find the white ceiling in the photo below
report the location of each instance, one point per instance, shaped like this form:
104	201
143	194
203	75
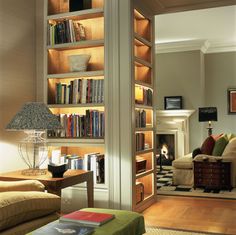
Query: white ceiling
217	25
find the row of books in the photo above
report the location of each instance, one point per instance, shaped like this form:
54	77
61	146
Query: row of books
90	162
146	97
65	31
91	125
140	118
80	91
140	141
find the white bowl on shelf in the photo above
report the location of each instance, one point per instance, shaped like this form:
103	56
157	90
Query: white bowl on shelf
79	63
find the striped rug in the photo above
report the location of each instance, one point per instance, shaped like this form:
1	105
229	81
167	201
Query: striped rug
162	231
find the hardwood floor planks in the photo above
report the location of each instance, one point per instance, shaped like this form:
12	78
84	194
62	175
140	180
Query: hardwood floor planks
195	214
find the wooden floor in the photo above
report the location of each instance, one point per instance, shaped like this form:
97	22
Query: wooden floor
195	214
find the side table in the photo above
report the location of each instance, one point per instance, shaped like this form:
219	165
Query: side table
212	175
55	185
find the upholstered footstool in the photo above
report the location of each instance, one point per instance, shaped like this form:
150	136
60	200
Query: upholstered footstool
183	170
124	223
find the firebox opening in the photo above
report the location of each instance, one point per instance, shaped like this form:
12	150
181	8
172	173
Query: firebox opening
165	145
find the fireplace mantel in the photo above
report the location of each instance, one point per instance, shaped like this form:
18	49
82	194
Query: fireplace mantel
177	123
175	113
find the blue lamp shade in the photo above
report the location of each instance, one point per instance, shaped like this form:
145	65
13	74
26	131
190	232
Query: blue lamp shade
206	114
34	116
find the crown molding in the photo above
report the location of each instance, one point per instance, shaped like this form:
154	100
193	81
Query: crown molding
204	46
217	47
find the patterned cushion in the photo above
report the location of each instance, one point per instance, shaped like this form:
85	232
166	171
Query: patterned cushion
230	149
220	145
19	207
208	145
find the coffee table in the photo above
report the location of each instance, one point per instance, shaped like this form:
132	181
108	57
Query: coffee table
55	185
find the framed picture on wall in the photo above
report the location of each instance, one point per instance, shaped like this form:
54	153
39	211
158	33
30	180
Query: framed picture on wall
173	102
232	100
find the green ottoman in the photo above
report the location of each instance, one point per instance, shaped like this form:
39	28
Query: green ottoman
124	223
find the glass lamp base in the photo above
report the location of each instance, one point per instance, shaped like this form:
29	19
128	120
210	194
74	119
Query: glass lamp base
34	171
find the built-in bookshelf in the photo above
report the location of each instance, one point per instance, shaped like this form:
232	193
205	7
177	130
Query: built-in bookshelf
143	128
74	91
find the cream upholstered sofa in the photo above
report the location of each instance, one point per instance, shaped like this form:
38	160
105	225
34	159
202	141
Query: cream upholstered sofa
24	206
183	166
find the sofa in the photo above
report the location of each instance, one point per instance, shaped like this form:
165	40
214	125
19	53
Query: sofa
222	147
24	206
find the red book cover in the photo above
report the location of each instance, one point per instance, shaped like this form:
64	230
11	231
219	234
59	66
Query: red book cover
87	218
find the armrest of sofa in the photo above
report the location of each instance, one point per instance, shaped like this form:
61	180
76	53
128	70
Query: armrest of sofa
21	185
201	157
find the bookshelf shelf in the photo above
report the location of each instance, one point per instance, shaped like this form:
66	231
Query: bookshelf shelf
144	151
143	40
76	141
77	45
78	15
140	106
64	106
144	129
140	62
148	172
84	74
143	84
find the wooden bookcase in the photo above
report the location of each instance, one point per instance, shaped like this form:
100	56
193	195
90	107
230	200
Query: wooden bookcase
58	71
143	102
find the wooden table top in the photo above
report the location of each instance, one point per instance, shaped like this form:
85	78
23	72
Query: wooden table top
47	177
70	177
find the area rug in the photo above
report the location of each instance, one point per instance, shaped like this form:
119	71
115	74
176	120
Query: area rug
161	231
165	187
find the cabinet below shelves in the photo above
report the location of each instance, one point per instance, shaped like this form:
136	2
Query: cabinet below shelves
77	45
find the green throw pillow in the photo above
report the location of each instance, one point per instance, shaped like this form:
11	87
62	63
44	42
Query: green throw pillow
220	145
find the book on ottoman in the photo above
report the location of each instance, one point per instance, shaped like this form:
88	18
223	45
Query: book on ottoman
87	218
57	228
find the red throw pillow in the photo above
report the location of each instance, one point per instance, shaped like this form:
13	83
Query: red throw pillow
208	145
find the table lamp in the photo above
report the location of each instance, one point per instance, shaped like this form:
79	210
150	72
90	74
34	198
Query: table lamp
34	119
207	114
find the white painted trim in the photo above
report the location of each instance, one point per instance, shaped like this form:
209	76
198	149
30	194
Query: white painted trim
176	113
221	47
204	46
190	45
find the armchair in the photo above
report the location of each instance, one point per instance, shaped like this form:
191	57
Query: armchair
24	206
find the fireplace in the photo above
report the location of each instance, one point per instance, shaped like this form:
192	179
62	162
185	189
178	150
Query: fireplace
165	147
172	136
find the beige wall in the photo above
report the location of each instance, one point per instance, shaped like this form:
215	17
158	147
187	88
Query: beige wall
17	72
202	80
180	74
221	75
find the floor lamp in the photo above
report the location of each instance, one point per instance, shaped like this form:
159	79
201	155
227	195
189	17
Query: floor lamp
34	119
207	114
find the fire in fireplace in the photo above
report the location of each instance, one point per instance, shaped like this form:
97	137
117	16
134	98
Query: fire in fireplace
165	145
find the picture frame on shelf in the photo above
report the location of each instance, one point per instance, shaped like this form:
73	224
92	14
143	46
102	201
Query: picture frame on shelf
173	102
231	100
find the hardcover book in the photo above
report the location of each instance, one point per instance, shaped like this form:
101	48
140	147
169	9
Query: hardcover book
87	218
57	228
